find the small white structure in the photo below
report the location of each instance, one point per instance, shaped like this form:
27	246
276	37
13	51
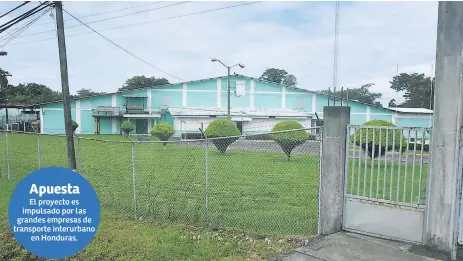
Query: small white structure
248	121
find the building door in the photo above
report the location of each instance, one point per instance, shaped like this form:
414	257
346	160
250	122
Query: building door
141	126
239	125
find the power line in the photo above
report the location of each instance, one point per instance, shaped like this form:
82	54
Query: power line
146	22
24	28
106	12
110	18
122	48
12	32
27	14
17	7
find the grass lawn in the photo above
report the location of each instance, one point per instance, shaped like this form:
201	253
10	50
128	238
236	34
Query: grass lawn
250	193
255	192
123	239
388	180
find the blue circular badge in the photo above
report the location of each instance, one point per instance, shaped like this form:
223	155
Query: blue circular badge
54	212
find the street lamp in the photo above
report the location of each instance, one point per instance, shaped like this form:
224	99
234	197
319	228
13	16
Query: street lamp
228	87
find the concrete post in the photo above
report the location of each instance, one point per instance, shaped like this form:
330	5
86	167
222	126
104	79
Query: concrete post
331	192
445	167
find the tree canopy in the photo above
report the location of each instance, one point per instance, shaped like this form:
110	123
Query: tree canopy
418	90
361	94
86	92
278	76
143	82
26	93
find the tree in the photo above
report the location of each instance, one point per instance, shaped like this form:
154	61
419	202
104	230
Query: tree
361	94
418	90
392	103
127	127
370	139
289	140
32	93
278	76
142	82
26	93
86	92
163	131
223	133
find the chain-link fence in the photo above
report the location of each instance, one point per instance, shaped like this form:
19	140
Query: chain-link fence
265	184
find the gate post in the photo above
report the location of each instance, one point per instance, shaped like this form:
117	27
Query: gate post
331	191
443	189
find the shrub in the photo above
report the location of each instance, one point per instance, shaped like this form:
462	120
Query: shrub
289	140
163	131
220	129
411	147
74	126
127	127
380	137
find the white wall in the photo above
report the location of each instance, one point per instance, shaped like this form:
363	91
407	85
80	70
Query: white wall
256	125
191	124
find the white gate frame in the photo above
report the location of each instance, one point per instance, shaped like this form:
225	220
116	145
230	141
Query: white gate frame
370	215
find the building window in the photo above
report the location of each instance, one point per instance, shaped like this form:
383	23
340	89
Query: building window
240	88
299	104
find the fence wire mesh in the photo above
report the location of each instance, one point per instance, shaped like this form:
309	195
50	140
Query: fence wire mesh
249	183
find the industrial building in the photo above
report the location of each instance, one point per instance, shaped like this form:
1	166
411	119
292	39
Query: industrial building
256	106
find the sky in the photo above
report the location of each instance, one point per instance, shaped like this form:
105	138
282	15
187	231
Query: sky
374	39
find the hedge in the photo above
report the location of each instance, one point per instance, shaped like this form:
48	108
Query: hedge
127	127
383	137
163	131
222	128
289	140
74	126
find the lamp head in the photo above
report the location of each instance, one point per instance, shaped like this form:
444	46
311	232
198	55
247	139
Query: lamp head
241	65
214	60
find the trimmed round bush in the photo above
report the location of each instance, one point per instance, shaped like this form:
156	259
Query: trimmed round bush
74	126
127	127
163	131
291	139
222	129
378	142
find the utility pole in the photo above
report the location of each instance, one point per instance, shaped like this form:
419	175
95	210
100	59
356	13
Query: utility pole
65	84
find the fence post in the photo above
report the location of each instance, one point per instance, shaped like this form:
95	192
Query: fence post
207	178
7	155
79	156
331	191
133	181
38	150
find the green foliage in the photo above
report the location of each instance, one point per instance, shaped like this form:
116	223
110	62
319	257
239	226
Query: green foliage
127	127
416	88
222	128
289	140
411	147
74	126
86	93
163	131
380	138
142	81
361	94
279	76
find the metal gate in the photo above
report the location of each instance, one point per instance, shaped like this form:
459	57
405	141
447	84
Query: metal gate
385	181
